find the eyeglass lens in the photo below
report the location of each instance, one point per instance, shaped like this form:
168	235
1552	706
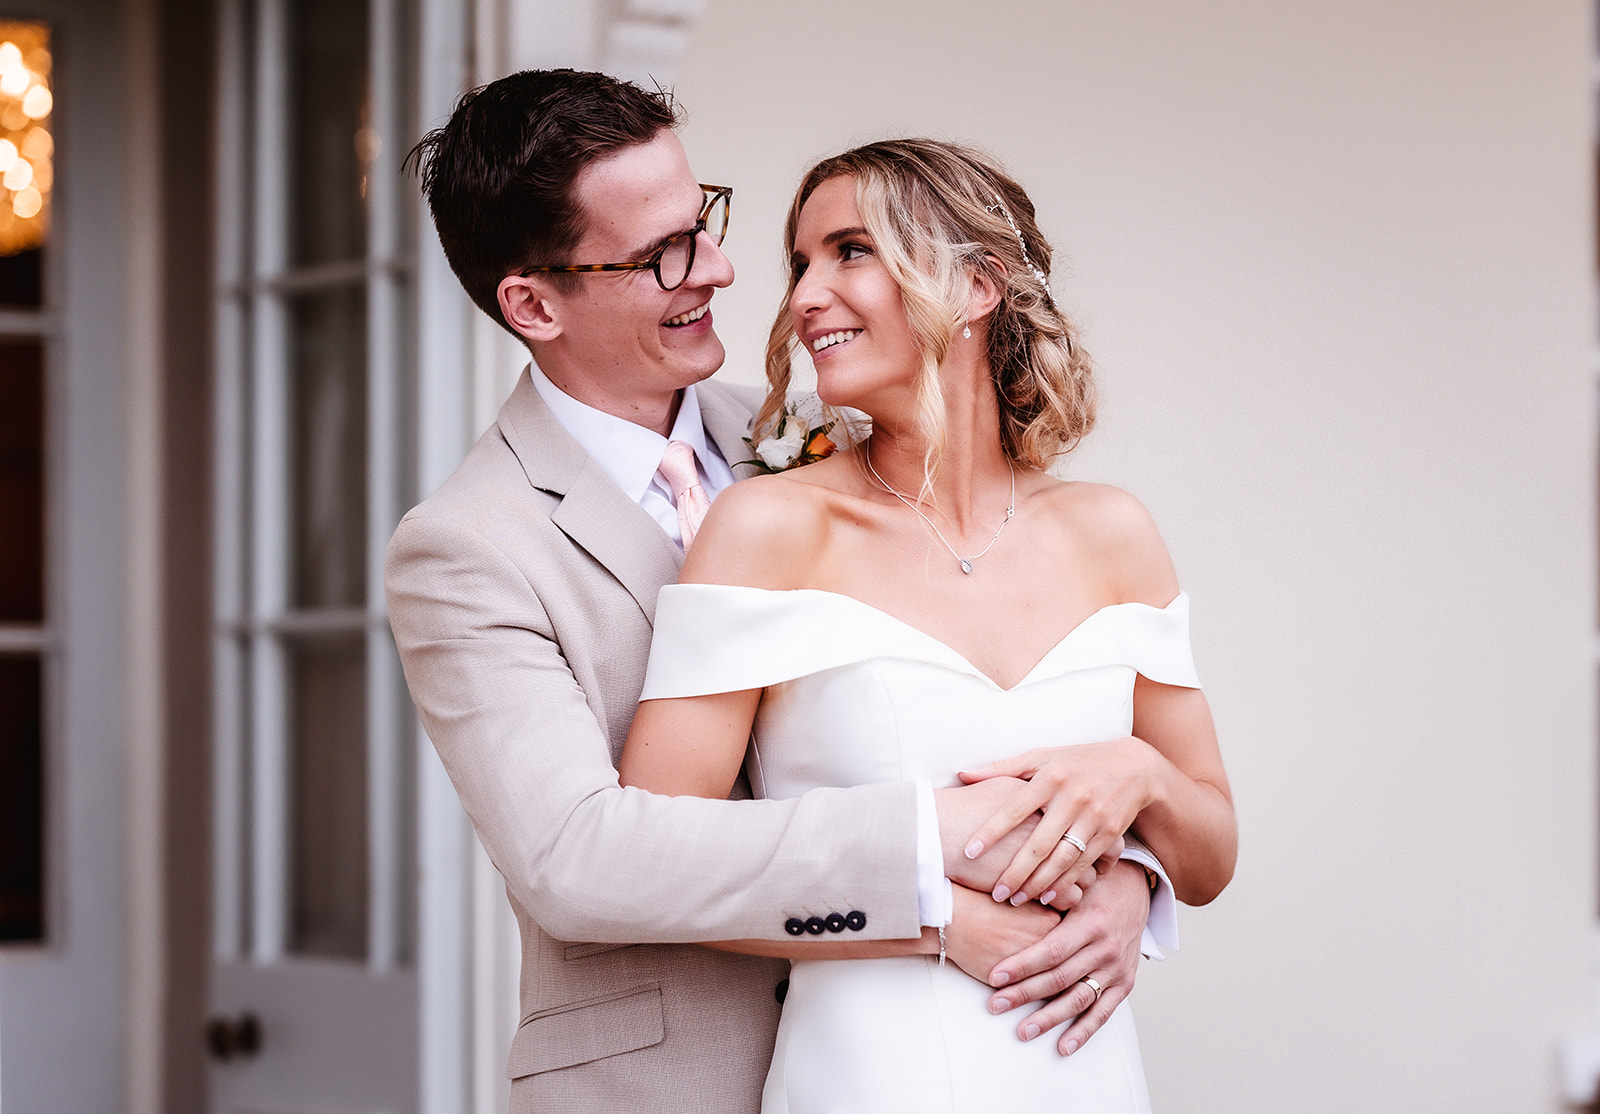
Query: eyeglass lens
678	258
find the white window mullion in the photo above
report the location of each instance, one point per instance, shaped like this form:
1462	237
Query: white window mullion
385	687
229	586
269	500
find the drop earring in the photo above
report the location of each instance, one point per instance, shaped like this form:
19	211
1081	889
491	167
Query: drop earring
966	331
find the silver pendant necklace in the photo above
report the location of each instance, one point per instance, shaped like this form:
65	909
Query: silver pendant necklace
964	562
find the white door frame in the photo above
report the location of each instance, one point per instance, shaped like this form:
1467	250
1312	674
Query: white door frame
73	991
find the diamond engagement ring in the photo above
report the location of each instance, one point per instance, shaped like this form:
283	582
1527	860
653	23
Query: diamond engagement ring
1089	981
1076	842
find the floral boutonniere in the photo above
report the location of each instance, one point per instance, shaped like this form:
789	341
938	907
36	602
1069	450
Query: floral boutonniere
800	436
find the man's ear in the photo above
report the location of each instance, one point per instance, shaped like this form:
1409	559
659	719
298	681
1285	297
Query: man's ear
530	307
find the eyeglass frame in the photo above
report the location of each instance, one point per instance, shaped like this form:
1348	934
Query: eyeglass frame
716	193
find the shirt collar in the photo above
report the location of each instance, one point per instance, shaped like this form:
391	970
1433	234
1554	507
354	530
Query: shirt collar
627	452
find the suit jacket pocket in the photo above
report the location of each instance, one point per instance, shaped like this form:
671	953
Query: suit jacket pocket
583	951
584	1031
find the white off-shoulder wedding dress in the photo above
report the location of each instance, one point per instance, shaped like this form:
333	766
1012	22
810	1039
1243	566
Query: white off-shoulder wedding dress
853	696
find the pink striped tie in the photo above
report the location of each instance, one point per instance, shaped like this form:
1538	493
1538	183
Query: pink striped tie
678	469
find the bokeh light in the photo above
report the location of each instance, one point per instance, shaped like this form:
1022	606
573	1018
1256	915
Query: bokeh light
26	146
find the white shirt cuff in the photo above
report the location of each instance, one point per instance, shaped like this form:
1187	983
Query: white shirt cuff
935	901
1161	929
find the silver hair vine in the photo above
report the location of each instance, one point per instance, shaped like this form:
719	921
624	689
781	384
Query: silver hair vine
1000	206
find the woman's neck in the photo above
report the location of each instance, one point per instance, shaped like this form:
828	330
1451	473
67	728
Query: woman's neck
972	478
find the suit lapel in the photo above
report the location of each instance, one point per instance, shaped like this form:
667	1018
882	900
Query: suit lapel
727	420
593	511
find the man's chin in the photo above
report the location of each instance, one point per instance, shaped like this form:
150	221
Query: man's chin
706	360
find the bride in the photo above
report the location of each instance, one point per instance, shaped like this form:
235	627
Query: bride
924	603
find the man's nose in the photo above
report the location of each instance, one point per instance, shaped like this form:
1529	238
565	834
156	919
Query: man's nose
712	267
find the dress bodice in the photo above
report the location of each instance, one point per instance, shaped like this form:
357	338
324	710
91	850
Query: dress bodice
852	696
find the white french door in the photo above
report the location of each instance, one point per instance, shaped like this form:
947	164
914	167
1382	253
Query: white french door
314	990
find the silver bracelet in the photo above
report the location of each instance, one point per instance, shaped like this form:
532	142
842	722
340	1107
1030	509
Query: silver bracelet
941	945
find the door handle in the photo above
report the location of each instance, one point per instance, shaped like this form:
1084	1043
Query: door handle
236	1038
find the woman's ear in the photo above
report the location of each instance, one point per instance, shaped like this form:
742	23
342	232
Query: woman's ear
530	307
984	295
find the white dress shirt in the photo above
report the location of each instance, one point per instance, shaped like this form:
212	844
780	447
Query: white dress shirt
630	453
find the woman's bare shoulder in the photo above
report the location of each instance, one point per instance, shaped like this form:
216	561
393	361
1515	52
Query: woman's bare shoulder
1119	534
762	533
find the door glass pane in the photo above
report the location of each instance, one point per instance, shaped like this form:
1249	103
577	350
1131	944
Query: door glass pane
21	801
329	516
331	143
26	160
21	482
329	755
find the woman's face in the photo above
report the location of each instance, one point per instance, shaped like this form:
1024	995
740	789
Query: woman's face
846	308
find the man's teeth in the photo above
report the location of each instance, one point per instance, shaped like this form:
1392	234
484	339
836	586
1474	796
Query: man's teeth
690	317
831	339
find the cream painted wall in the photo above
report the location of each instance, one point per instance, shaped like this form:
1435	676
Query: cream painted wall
1336	264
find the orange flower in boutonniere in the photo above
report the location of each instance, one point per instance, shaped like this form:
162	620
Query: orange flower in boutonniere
818	446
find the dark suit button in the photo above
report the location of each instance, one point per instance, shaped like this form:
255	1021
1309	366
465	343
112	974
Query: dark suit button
856	920
781	991
794	926
815	926
835	922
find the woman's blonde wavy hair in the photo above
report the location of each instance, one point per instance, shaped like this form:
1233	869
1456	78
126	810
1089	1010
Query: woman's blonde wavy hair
937	212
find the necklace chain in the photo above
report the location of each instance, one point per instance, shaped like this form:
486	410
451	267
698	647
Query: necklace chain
965	563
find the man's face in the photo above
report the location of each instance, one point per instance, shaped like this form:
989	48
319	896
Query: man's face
626	345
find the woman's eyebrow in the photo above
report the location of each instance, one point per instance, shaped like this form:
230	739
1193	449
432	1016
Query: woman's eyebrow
845	234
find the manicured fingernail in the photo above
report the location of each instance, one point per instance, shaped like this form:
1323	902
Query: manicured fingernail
1002	892
1047	898
1029	1031
999	978
1072	1046
1019	897
974	849
999	1005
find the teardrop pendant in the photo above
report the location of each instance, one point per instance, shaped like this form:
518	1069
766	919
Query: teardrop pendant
966	566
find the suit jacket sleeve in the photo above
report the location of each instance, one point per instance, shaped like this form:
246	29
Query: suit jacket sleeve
589	859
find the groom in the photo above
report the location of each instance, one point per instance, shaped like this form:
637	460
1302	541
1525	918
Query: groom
522	594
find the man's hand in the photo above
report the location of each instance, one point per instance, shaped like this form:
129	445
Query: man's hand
1099	939
984	932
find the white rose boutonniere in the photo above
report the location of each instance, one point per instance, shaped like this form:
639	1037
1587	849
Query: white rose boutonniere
784	447
801	436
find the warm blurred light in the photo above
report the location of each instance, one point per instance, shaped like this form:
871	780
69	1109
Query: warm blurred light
37	144
369	145
26	146
37	102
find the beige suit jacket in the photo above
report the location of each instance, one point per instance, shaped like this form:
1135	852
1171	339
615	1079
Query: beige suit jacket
522	594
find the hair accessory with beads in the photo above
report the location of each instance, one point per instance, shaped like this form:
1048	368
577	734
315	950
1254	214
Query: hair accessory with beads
1023	244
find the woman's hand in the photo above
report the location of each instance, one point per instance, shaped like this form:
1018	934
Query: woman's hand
1091	792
